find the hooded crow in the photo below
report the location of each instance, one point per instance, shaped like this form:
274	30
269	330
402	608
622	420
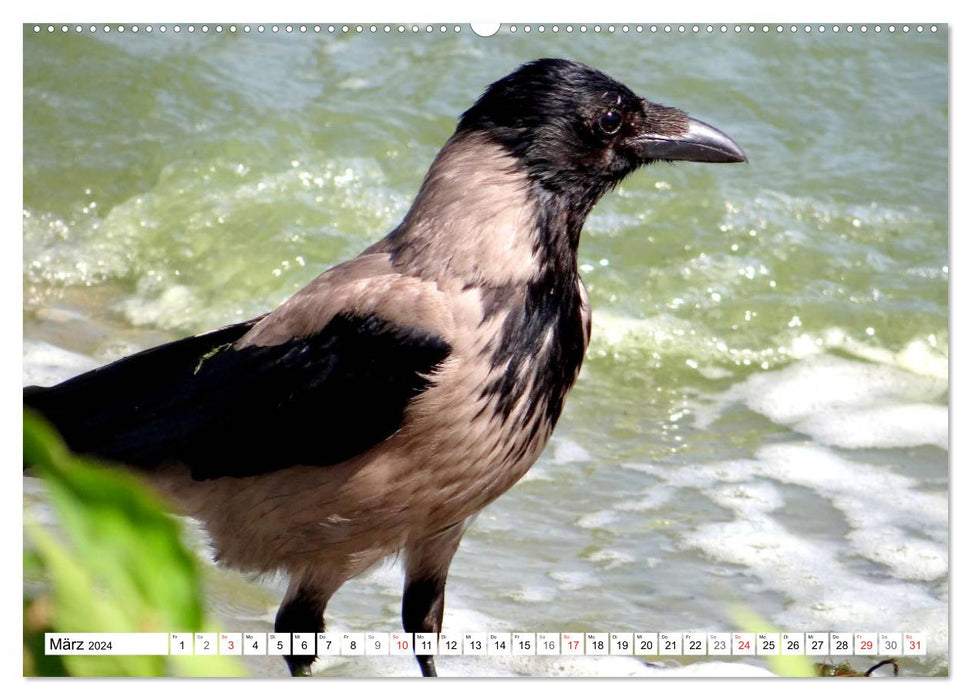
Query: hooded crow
399	393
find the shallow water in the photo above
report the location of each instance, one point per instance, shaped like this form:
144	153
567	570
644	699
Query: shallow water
762	417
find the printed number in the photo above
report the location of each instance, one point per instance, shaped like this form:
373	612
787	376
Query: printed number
817	644
694	645
303	645
181	645
668	645
452	645
914	645
719	645
205	645
525	645
476	645
550	645
573	644
426	645
768	644
647	645
403	644
353	645
892	645
867	645
792	645
623	645
842	645
744	645
598	644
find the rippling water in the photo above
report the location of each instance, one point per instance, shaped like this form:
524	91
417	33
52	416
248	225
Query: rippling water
762	418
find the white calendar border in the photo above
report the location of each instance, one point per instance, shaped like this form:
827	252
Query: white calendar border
700	10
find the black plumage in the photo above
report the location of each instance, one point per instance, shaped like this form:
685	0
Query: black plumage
400	392
185	401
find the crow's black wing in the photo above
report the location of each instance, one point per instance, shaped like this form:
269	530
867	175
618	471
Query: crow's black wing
223	411
95	411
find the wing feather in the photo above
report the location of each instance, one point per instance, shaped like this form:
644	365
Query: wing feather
225	406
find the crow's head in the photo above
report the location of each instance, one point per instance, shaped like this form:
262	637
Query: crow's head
579	132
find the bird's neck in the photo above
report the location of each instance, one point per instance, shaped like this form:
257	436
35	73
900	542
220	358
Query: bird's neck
481	220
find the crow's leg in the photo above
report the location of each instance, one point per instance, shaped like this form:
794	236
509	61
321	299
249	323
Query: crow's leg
426	567
302	610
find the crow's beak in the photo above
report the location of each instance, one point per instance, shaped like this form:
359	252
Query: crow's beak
701	143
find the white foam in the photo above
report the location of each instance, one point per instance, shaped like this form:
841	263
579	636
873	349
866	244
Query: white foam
561	451
567	451
896	425
712	356
621	667
574	580
666	333
589	666
169	309
610	558
892	522
749	499
878	504
533	594
651	499
925	356
387	576
600	519
714	669
46	364
846	403
825	382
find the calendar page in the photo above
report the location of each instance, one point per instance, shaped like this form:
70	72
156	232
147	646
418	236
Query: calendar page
370	349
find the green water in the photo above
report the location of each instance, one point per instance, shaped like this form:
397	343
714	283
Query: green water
173	183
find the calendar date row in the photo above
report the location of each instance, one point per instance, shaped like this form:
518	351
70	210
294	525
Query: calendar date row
493	644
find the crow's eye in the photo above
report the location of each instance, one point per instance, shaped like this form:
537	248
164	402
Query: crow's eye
610	121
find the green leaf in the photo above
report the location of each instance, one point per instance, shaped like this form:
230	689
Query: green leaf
782	665
121	567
